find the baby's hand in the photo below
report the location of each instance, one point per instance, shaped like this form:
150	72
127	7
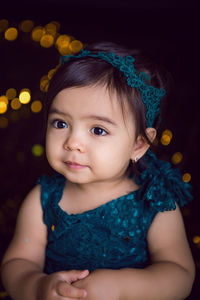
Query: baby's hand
59	285
100	284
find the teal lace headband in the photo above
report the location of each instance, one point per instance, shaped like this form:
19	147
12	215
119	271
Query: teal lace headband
151	96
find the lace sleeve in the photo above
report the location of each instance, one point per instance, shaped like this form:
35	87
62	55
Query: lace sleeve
45	182
164	185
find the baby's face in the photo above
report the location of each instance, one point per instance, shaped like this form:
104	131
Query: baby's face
87	138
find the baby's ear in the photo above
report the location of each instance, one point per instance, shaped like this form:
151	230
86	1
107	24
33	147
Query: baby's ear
151	133
141	145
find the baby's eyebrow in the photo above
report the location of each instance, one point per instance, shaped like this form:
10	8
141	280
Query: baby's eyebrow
101	118
56	111
93	117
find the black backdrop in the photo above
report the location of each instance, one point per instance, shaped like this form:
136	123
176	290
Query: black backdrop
168	30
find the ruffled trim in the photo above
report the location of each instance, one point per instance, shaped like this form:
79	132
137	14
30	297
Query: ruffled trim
50	184
163	185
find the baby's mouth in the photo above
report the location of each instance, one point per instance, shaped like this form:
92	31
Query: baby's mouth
74	165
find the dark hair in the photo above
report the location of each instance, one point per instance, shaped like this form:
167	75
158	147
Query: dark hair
89	71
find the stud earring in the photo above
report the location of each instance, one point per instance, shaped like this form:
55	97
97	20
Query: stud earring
136	159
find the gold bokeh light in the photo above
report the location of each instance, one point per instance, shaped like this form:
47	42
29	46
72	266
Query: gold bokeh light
37	33
47	40
186	177
11	34
15	104
57	24
165	140
3	107
63	39
44	83
26	25
75	46
4	99
36	106
166	137
51	73
3	25
25	96
168	132
64	50
196	239
177	158
11	93
51	29
62	44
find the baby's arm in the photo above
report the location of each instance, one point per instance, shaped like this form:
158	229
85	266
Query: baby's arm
170	275
22	265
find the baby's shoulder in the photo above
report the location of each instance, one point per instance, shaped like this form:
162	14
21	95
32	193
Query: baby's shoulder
31	206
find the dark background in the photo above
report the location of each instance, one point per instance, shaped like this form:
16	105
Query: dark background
167	30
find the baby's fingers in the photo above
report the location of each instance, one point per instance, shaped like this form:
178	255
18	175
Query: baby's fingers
75	275
67	290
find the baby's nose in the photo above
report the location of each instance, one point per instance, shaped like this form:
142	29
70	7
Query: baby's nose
74	142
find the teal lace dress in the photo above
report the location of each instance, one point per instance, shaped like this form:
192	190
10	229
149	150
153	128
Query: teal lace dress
114	234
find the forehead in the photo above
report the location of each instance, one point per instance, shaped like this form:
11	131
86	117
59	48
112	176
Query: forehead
96	98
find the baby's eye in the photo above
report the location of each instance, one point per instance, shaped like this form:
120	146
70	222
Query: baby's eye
59	124
99	131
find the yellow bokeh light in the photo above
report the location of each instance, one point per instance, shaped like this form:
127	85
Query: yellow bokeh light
36	106
63	39
51	28
26	25
4	99
51	73
62	43
57	24
166	137
11	34
37	150
44	83
187	177
3	25
37	33
196	239
15	104
3	107
47	40
177	158
3	122
64	50
25	96
168	132
75	46
11	93
165	140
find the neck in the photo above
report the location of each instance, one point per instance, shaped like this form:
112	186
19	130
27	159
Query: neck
102	190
